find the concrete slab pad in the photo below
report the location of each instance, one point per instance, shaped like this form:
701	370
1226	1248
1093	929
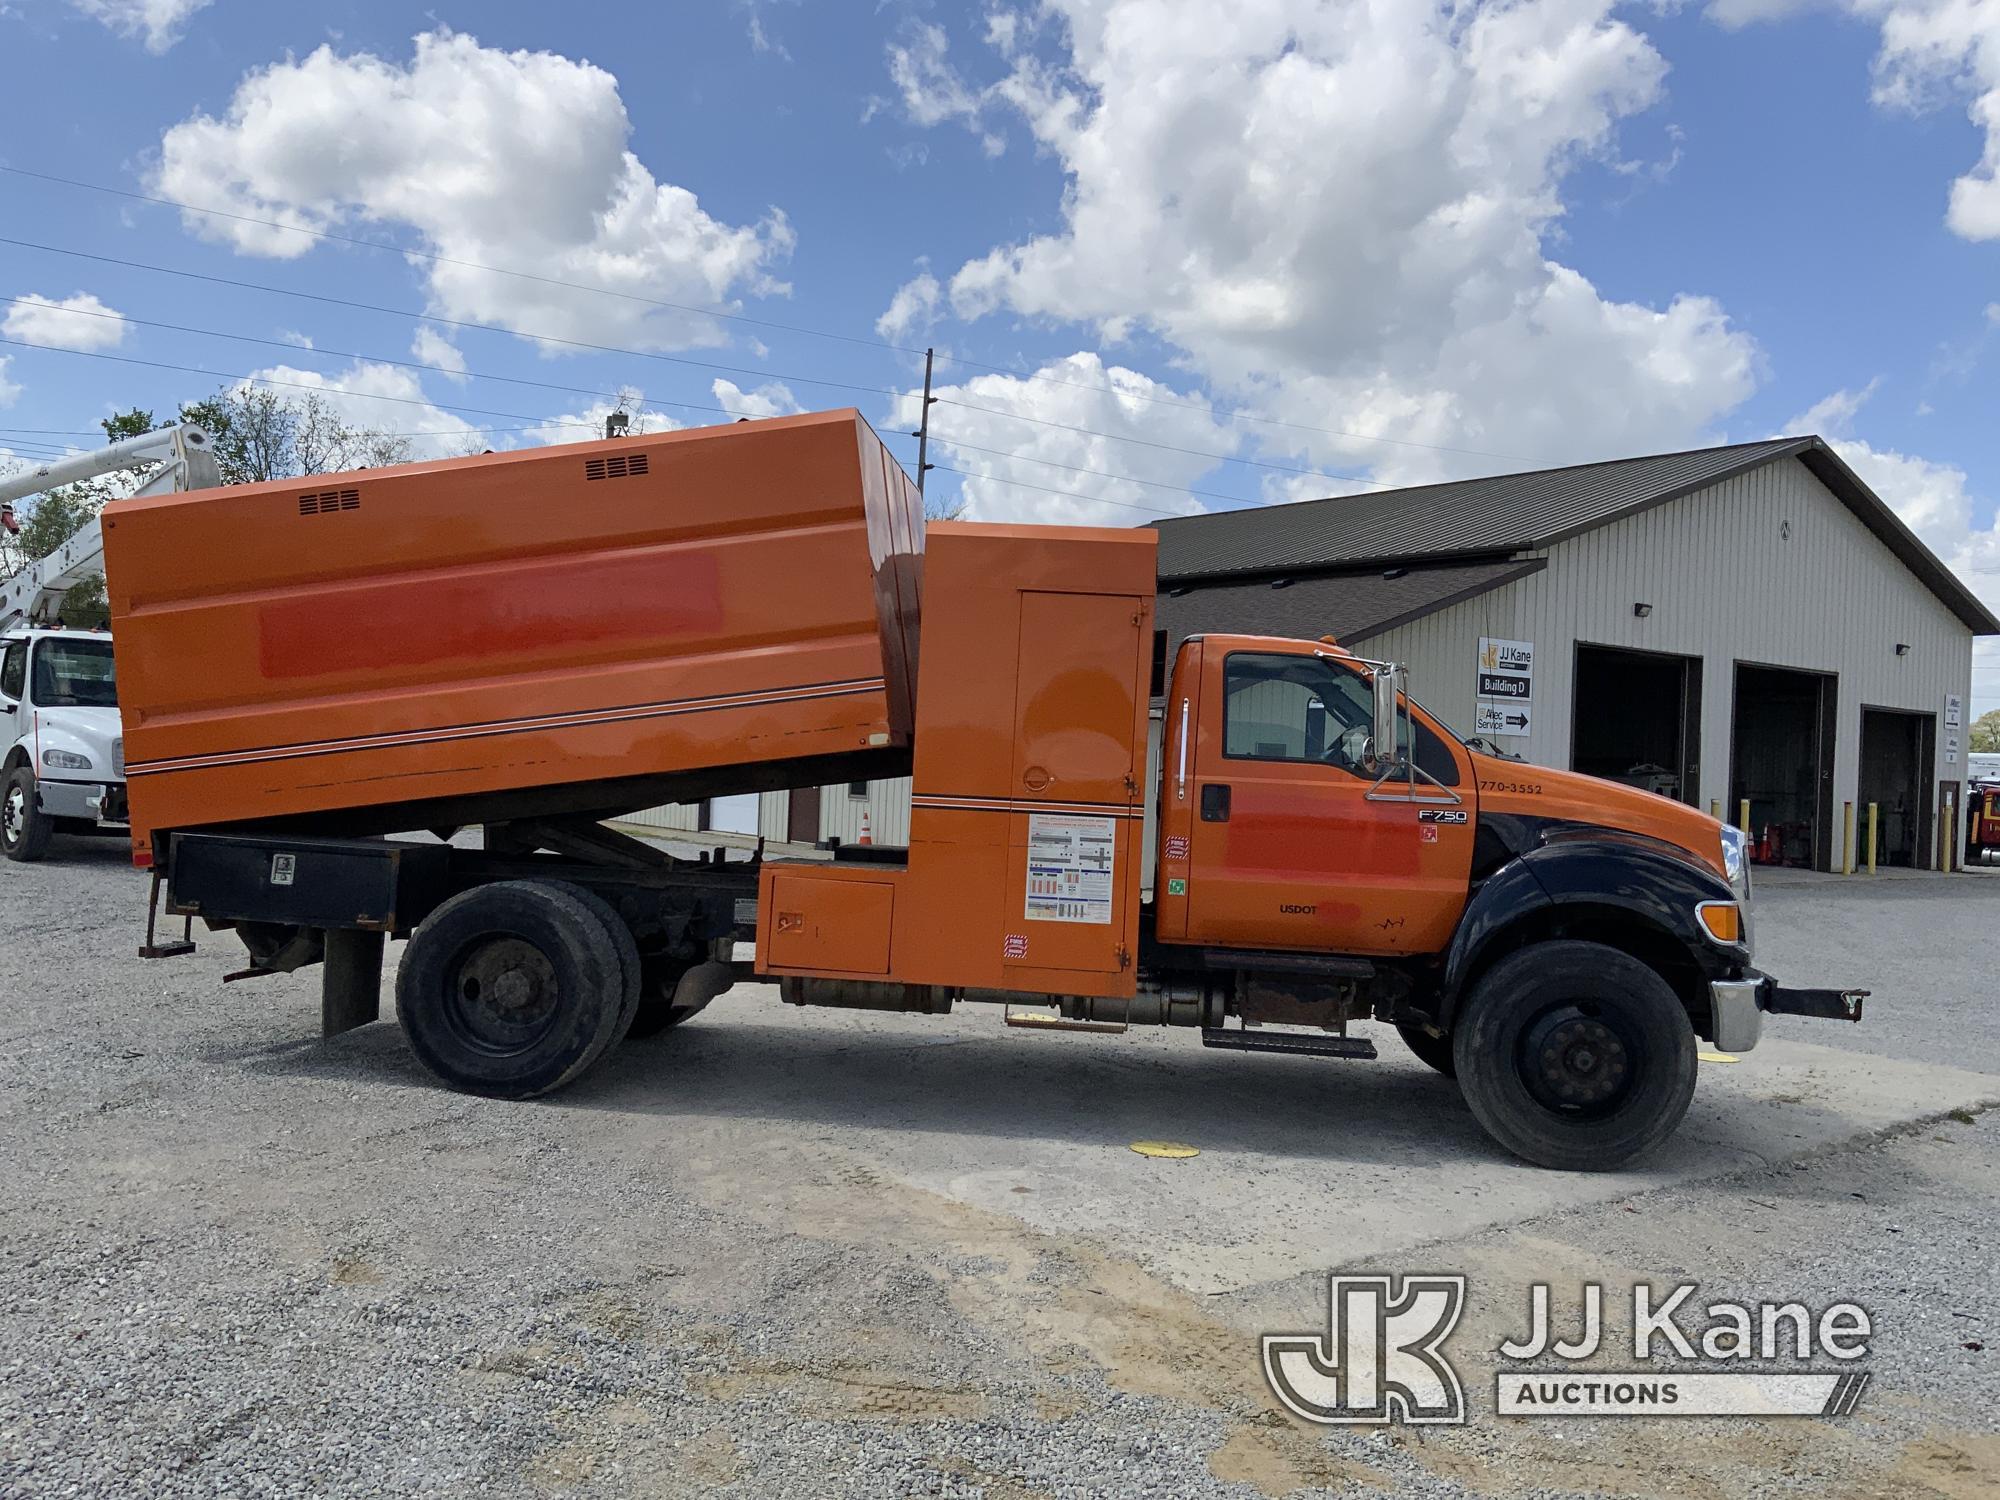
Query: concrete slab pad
1305	1164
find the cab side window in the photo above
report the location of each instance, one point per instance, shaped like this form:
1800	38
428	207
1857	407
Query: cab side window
1304	708
14	671
1293	708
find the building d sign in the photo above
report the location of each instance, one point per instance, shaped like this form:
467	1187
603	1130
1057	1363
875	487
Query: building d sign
1506	687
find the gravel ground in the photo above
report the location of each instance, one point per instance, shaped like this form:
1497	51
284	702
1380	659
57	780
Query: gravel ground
235	1260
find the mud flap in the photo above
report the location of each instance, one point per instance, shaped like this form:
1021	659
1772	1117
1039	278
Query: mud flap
350	981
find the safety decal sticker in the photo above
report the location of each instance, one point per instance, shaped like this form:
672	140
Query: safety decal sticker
1177	846
1014	945
1070	867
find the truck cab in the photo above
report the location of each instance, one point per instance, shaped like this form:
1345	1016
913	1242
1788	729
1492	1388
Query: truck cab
62	757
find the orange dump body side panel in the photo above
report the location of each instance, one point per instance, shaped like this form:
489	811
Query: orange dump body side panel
1027	806
579	617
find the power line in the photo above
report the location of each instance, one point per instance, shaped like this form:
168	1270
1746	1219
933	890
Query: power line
609	349
411	364
424	317
447	260
406	364
1158	484
1118	437
1233	415
154	364
877	343
1022	484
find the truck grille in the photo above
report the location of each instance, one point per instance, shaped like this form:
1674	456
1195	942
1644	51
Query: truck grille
118	756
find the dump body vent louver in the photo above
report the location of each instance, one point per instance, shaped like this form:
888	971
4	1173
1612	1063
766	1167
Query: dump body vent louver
619	466
326	502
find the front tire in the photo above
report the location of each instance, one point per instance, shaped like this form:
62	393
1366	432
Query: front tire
1575	1056
25	830
511	989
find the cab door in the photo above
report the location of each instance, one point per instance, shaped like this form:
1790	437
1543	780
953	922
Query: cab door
1293	841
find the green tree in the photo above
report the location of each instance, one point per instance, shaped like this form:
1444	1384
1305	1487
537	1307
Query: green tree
261	434
1984	736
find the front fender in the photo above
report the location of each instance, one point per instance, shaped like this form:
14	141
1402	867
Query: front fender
1595	881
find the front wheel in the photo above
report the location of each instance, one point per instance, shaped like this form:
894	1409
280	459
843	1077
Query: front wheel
25	830
1575	1056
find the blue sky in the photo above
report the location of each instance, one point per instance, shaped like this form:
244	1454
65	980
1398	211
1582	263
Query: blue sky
1338	246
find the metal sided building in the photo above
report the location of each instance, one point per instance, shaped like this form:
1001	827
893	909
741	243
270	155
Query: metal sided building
1745	624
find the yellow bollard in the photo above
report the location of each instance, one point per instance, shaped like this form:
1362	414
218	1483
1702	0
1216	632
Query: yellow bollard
1847	838
1743	822
1949	848
1715	808
1874	808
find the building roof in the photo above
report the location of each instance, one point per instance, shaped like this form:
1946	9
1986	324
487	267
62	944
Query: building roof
1351	605
1506	514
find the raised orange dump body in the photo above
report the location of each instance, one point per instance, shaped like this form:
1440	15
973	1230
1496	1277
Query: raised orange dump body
588	628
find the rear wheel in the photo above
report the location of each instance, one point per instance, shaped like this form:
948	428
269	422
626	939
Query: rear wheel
1575	1056
511	989
1435	1050
25	830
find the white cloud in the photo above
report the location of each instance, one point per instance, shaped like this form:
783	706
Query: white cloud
1932	52
1936	501
1830	416
587	426
932	90
79	322
773	399
381	398
159	22
914	306
10	390
293	336
1341	215
1012	469
504	159
440	353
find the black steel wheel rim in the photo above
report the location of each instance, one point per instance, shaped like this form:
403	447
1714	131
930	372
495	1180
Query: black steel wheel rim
501	995
1579	1061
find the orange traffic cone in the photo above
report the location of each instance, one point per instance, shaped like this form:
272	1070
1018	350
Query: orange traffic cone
865	836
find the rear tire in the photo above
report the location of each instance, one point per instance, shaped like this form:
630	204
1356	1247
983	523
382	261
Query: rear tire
25	830
1575	1056
1434	1050
511	989
624	945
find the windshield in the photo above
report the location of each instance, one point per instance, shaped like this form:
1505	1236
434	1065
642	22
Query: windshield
74	674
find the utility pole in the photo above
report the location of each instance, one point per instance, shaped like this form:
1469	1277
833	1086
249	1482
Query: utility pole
923	432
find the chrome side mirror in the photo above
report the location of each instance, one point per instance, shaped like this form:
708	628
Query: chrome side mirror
1388	682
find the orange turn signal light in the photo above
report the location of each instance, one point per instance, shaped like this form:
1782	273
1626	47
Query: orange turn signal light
1723	919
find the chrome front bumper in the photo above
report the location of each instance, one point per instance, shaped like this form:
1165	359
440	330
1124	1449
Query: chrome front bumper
1737	1008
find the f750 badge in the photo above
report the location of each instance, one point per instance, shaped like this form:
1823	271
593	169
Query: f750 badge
1441	815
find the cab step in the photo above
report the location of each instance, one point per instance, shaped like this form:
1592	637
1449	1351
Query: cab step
1304	1043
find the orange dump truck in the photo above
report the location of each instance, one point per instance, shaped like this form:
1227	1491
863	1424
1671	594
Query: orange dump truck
530	643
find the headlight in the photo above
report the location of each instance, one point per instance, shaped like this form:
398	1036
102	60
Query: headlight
1736	860
63	760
